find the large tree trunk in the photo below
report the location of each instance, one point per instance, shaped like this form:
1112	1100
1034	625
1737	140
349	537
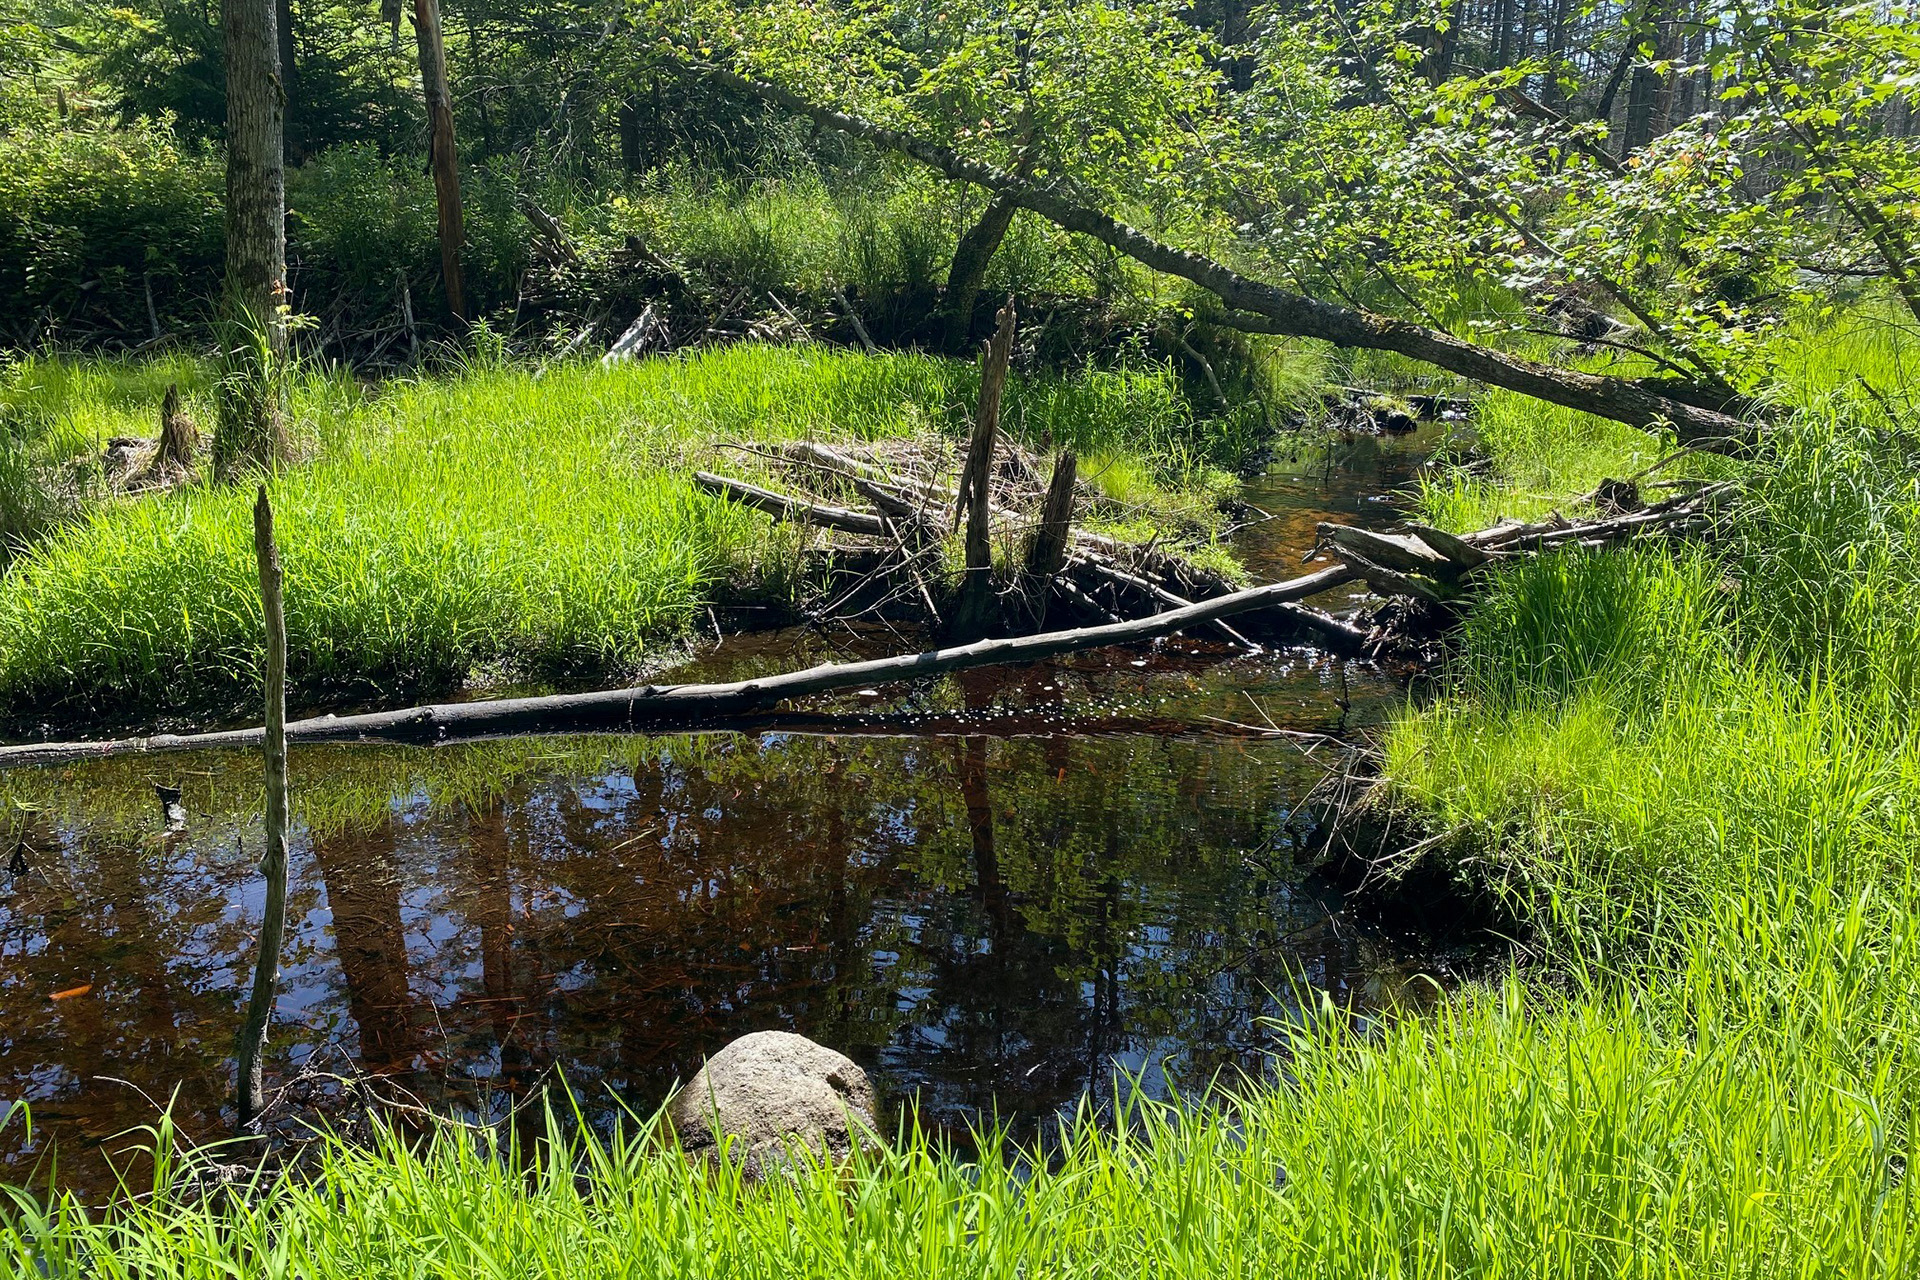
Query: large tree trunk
444	154
251	426
1695	414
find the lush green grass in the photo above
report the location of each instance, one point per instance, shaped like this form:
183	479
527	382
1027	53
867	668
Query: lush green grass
1692	775
1495	1138
483	520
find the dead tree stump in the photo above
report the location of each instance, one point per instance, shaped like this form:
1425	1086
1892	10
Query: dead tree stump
976	482
1047	553
178	436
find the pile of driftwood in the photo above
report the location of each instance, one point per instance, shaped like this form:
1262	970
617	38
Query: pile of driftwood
892	512
1435	567
1423	563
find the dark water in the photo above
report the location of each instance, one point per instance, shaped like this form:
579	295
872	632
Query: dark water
996	892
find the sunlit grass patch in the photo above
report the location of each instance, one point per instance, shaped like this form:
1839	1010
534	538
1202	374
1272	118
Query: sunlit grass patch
482	519
1504	1135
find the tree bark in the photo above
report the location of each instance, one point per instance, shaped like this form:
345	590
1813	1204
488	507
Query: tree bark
289	77
249	1096
1258	307
251	426
968	272
443	151
1047	553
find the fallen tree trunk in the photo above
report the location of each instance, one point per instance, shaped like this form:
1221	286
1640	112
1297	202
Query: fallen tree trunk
1430	565
1255	306
812	724
659	707
786	508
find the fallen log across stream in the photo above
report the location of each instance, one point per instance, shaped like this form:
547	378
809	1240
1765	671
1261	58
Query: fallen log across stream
667	707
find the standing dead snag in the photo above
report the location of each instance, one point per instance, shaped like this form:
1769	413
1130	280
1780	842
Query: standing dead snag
976	481
441	150
249	1095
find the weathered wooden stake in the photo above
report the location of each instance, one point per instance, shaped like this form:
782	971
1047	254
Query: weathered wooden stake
406	315
976	481
249	1094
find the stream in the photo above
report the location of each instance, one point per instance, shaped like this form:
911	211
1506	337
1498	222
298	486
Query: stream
1001	893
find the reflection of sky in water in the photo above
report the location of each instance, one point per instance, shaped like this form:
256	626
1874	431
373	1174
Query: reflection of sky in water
994	924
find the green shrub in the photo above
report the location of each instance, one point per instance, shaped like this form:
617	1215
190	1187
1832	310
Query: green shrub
90	217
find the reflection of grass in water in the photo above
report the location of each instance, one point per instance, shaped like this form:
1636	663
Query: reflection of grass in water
335	788
483	520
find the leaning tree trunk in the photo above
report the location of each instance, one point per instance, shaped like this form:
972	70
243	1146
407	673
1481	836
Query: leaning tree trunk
445	155
1696	414
251	427
971	258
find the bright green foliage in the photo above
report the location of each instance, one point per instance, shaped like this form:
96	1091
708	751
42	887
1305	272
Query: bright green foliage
1692	774
1114	98
94	218
56	415
1698	242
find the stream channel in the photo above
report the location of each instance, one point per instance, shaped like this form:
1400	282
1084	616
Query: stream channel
1009	891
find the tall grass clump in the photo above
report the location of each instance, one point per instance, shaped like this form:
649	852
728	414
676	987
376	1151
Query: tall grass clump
1494	1138
476	521
1691	774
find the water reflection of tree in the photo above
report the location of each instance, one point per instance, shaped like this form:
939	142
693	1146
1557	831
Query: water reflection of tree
362	879
983	919
152	928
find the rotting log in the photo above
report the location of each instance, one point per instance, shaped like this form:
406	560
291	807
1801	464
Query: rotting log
1431	565
662	707
1401	552
1116	576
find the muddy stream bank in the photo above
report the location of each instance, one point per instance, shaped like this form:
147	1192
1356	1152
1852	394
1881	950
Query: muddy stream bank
1007	889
